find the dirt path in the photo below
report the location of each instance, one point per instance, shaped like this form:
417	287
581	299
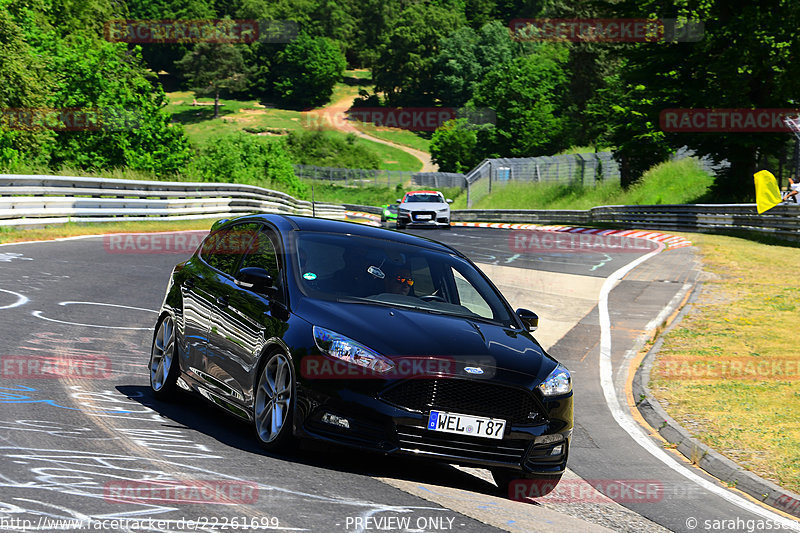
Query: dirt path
335	116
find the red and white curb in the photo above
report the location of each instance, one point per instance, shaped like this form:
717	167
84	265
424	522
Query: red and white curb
669	241
371	219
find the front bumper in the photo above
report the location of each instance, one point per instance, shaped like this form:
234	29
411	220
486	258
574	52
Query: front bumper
378	426
435	220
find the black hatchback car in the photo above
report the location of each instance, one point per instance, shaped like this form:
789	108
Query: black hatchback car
364	337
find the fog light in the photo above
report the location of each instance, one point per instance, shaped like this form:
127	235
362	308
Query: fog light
336	420
557	450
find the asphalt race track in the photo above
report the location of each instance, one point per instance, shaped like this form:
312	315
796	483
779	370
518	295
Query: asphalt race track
79	445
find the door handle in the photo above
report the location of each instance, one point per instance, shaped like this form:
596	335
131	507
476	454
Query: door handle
221	300
188	284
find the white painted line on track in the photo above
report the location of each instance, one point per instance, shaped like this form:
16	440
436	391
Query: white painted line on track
110	305
21	300
626	421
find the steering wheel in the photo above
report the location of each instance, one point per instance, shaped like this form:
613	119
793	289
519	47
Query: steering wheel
432	298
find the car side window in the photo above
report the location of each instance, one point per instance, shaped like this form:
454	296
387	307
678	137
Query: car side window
223	249
263	254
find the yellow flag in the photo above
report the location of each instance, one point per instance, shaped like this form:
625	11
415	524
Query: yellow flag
767	193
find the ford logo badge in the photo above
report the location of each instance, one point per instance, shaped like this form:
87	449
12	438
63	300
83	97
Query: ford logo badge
473	369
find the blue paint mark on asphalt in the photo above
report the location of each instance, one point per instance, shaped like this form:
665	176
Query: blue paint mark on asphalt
10	398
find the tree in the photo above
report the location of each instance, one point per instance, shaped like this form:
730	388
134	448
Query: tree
163	56
405	67
24	84
745	59
526	94
465	57
134	130
212	67
307	71
454	146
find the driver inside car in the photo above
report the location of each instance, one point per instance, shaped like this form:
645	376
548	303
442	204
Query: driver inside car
399	281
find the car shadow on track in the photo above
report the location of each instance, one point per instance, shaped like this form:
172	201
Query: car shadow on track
190	411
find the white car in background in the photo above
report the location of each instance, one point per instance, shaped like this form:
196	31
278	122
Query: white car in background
424	209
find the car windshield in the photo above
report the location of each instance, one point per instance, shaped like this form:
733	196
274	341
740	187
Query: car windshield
376	271
426	198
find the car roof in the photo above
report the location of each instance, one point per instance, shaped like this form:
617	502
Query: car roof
324	225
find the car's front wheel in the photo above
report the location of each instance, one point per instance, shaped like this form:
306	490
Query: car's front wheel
163	366
274	402
517	485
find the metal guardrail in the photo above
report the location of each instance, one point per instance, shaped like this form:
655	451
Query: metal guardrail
781	221
27	200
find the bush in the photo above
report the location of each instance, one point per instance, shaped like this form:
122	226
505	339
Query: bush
453	146
243	158
326	150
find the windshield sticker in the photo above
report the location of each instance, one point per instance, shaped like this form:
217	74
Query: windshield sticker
377	272
310	276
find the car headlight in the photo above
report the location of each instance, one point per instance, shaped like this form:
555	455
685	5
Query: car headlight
443	210
346	349
405	211
557	383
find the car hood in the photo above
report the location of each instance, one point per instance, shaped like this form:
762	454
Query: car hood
424	206
394	331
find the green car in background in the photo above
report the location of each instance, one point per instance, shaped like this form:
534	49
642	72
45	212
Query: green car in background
389	213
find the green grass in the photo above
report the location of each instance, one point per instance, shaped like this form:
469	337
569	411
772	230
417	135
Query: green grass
397	136
252	117
672	182
71	229
745	315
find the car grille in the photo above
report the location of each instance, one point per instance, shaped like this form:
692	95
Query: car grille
431	216
465	397
421	441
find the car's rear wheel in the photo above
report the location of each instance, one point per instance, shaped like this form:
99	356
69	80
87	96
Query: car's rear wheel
163	366
274	402
518	485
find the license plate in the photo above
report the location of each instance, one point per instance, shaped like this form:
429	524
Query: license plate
423	217
477	426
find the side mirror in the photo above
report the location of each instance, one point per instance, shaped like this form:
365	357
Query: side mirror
449	201
256	279
529	318
399	201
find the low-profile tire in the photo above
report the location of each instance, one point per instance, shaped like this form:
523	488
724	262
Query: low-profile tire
401	226
517	485
273	402
163	364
